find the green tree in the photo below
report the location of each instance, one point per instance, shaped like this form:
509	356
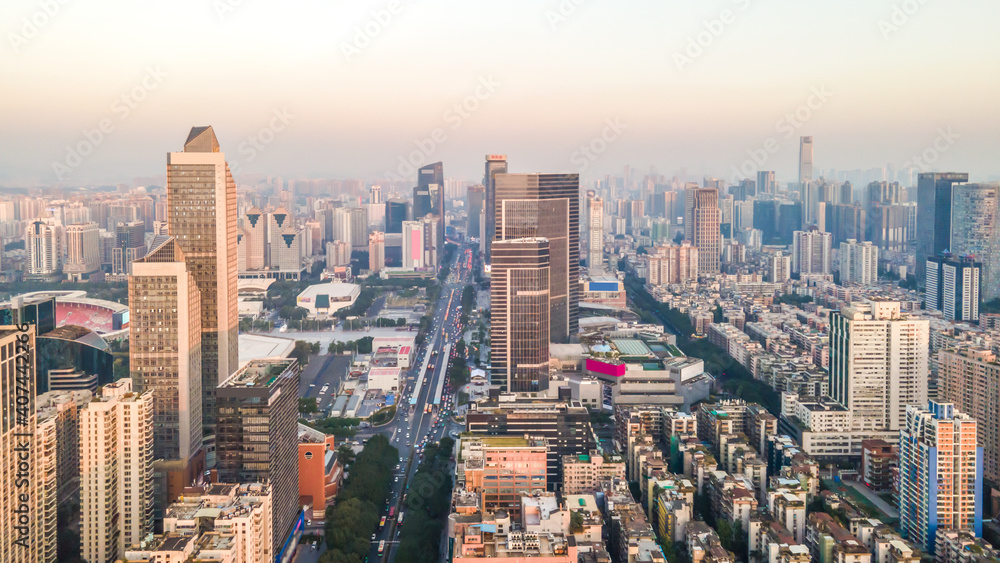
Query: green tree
345	453
301	352
307	405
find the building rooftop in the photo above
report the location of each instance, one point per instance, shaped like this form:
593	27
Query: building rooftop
259	373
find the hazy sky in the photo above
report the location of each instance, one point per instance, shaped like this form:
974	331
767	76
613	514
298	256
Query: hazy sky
693	84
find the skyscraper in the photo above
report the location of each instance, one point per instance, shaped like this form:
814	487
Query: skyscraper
811	252
705	217
975	230
201	212
969	377
432	238
475	199
805	160
116	471
431	177
258	436
43	240
779	268
766	183
255	227
413	245
546	206
395	214
376	195
878	363
21	522
358	218
953	287
421	201
940	474
519	305
130	243
83	250
934	213
495	164
858	262
672	264
376	252
165	353
277	221
595	226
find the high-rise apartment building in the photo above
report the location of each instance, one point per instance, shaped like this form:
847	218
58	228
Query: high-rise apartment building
940	474
934	190
858	262
475	199
116	471
376	252
43	240
975	230
969	377
46	460
359	227
878	363
595	231
22	520
287	253
83	250
130	243
256	241
779	268
165	353
375	195
805	160
338	253
811	252
672	263
702	219
953	287
258	436
413	245
495	164
520	314
201	212
546	206
277	221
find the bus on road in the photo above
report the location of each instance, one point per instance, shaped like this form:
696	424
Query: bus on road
381	547
392	511
400	521
381	524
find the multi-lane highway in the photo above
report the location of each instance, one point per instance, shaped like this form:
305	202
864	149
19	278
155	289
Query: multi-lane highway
413	427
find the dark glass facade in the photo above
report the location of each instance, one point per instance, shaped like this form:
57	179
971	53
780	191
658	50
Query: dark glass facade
934	216
547	206
73	347
257	435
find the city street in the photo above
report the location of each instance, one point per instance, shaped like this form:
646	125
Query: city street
412	428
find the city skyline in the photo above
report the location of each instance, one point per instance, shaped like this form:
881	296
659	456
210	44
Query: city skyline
701	88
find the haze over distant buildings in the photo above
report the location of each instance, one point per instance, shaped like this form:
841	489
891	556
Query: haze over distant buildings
303	90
